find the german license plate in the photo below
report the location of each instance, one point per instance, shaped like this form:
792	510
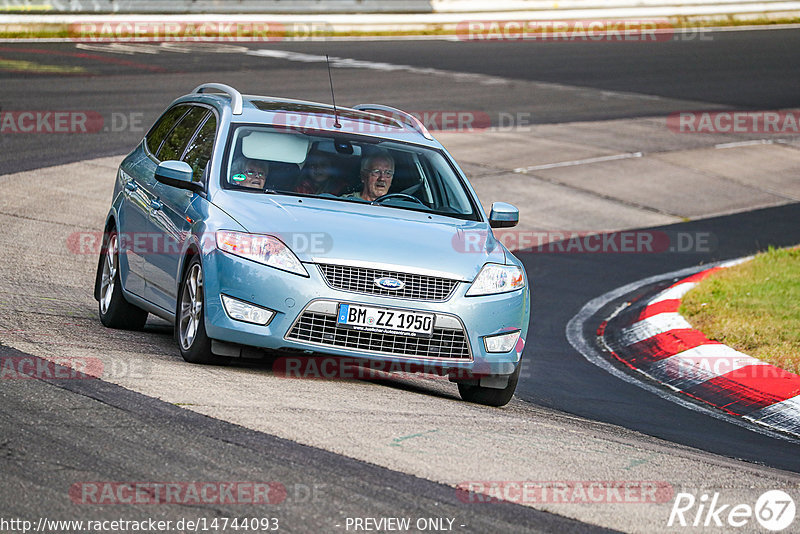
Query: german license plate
385	320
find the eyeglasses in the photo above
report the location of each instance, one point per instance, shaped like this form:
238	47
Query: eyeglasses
377	172
257	174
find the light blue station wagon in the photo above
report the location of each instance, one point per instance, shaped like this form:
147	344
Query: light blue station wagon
262	226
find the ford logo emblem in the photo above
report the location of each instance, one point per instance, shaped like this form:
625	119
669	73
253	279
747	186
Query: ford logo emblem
390	283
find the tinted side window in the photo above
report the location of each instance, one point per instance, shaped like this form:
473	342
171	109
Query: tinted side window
199	150
177	140
163	126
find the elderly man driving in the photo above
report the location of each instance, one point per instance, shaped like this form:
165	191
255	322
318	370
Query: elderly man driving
377	171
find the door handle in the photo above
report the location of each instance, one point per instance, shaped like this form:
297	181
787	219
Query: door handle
156	204
131	186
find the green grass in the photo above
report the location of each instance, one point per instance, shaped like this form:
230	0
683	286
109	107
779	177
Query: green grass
753	307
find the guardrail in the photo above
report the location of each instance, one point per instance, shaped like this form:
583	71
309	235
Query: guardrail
215	6
367	6
98	20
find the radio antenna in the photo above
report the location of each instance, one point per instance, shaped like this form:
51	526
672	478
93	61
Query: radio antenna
336	123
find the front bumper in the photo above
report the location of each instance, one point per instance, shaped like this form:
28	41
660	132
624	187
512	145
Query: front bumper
294	297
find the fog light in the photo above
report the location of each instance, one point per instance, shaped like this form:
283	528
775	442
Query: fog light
243	311
501	342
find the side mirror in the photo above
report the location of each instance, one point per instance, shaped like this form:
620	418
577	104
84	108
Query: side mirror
503	215
177	174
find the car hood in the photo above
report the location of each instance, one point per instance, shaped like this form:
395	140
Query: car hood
320	231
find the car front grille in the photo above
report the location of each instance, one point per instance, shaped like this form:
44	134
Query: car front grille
321	328
362	280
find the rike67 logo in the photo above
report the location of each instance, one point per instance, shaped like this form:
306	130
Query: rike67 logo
774	510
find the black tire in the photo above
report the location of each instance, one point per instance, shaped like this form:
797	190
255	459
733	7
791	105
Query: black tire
491	396
190	325
115	311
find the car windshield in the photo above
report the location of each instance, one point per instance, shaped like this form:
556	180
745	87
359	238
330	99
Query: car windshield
345	168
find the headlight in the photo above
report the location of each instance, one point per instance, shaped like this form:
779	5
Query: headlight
495	278
263	249
501	342
244	311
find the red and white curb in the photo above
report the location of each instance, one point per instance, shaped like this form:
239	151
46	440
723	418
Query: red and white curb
662	345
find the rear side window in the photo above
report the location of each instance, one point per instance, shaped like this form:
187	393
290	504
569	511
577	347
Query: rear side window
163	126
181	134
199	150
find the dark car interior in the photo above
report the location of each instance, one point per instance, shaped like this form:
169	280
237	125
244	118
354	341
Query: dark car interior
344	166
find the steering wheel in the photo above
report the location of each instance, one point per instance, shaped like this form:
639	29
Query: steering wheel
398	195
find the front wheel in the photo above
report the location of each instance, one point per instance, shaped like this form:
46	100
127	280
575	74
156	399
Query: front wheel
115	311
491	396
193	342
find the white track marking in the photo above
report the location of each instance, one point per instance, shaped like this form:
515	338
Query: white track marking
733	263
737	144
652	326
674	292
468	77
124	48
180	47
575	162
699	364
574	333
783	415
348	63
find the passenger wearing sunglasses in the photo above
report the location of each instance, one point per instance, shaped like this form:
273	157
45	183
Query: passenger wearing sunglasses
249	173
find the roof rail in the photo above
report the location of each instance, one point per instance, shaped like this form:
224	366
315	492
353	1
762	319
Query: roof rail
236	96
408	118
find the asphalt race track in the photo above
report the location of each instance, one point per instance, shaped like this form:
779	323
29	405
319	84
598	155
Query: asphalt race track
99	430
567	376
657	78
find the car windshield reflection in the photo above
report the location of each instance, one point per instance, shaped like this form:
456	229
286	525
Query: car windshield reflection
385	173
